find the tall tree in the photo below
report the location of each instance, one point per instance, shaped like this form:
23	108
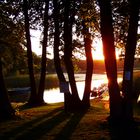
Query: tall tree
88	52
110	59
89	66
129	59
68	23
33	97
11	37
6	110
57	60
44	59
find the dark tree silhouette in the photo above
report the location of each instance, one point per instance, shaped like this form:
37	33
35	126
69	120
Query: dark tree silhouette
89	64
57	61
44	59
110	60
33	97
68	22
6	110
129	59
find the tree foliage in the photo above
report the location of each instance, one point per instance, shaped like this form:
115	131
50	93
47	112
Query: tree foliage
11	39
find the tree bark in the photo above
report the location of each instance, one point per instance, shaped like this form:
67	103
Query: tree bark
6	110
44	59
75	102
89	67
33	97
129	60
57	61
110	59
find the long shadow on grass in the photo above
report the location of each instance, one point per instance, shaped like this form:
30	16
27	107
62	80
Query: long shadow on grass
69	128
35	127
41	126
41	129
45	127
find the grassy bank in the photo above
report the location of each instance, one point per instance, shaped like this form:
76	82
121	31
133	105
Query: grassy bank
50	122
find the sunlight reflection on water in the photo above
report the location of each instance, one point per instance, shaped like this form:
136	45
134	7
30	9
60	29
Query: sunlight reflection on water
138	98
54	95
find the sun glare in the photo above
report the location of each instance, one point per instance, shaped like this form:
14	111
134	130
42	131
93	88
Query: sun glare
35	39
97	53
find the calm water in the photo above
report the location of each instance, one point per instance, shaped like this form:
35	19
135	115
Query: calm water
54	95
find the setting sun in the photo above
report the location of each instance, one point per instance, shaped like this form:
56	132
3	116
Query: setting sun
97	53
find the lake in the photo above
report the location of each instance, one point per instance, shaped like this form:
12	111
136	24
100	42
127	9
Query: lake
54	95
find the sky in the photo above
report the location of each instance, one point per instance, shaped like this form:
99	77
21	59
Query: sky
35	35
97	52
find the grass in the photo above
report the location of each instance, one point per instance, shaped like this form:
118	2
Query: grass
50	122
23	81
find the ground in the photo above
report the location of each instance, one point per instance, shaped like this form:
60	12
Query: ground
50	122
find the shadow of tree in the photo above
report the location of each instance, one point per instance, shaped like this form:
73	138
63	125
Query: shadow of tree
29	125
69	128
41	126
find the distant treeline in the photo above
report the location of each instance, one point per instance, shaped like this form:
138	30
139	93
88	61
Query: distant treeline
79	66
99	66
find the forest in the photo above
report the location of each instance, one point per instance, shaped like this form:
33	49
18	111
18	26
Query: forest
69	27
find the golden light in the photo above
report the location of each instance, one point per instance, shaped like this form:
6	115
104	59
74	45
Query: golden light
97	53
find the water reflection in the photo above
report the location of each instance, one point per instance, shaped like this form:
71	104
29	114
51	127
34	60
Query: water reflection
138	98
54	95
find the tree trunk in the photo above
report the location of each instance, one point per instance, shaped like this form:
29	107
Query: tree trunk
33	97
110	59
57	61
89	67
75	102
6	110
44	59
129	60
